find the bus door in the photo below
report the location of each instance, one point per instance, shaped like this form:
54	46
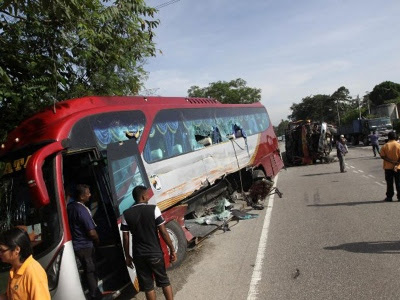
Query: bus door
126	171
89	167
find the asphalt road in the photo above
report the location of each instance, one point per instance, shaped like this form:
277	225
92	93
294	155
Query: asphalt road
329	237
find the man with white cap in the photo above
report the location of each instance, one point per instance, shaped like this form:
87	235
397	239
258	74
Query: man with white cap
344	141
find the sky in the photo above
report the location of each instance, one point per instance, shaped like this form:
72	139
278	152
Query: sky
288	49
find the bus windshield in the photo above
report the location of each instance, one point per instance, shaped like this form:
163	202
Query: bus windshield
17	206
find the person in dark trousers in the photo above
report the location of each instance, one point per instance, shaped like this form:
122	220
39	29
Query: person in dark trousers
374	139
341	152
84	236
390	153
144	221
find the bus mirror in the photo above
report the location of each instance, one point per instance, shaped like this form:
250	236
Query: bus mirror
34	173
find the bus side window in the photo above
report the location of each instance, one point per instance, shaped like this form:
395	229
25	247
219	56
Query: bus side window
216	135
177	149
156	154
155	146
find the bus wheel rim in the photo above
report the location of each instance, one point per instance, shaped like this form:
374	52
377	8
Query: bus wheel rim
174	239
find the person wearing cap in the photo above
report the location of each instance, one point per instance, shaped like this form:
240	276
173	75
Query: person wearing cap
341	152
390	153
344	142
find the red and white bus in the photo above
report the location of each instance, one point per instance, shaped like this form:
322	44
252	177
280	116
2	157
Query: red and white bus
184	151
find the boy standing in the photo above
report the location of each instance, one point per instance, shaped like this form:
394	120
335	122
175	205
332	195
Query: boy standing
144	221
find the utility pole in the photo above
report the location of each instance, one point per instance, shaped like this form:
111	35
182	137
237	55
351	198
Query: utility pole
366	97
337	108
359	107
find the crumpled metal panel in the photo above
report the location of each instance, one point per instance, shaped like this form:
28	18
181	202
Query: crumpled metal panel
182	175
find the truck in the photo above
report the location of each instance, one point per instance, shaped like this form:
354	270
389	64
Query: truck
360	129
307	142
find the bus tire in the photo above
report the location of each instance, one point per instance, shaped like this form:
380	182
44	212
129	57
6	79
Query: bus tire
178	239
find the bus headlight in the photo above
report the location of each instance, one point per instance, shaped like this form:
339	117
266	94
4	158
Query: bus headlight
53	270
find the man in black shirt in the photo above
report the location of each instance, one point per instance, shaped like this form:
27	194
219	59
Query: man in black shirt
144	221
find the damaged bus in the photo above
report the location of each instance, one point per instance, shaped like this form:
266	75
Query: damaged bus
188	151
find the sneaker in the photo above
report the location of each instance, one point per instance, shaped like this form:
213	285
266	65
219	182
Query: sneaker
388	199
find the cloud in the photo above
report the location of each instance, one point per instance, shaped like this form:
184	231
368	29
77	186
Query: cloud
290	50
173	82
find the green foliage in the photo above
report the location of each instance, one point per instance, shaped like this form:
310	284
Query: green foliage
316	108
395	100
280	130
334	109
353	114
385	92
56	50
234	91
342	94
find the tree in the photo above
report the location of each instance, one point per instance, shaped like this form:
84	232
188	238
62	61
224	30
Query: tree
385	92
327	108
234	91
342	94
343	102
353	114
56	50
280	129
316	108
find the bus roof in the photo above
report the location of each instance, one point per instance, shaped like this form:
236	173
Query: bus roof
55	123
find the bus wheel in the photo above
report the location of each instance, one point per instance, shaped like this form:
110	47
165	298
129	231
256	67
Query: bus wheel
178	240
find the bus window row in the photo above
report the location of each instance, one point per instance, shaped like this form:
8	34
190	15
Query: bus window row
173	132
177	132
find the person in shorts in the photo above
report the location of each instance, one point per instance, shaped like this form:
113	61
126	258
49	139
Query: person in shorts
144	221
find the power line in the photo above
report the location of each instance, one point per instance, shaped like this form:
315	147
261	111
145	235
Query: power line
166	4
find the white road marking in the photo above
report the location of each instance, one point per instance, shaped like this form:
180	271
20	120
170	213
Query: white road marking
365	176
352	167
262	245
354	171
372	176
379	183
361	171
